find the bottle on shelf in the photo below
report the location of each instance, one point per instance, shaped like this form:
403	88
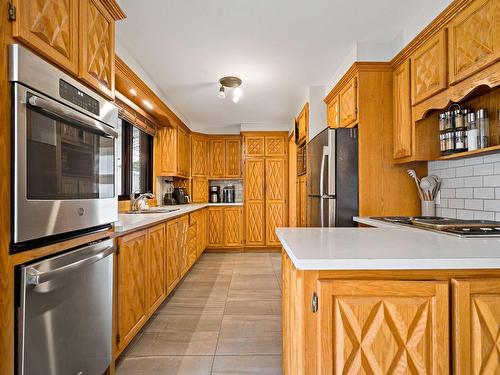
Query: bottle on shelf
472	132
483	123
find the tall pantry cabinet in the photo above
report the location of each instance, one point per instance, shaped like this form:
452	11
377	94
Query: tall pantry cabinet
266	186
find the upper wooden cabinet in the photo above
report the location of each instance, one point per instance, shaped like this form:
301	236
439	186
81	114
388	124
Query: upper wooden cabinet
476	322
199	190
77	35
348	103
428	68
217	157
395	326
97	47
474	39
199	156
225	157
51	28
172	152
233	158
402	125
333	113
254	145
275	146
303	120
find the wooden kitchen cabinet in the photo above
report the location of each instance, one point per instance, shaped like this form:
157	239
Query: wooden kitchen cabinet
402	125
233	226
254	145
199	156
233	158
183	223
348	103
303	120
380	320
428	68
225	227
476	322
132	290
172	152
275	193
215	227
199	190
51	28
97	47
173	254
474	39
302	201
192	241
255	201
157	273
333	113
217	158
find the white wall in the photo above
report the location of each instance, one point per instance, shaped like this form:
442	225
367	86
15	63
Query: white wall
317	110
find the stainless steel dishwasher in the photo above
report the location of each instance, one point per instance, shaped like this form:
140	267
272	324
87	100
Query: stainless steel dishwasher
65	313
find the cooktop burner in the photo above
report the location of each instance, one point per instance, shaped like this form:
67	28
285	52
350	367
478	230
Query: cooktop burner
455	227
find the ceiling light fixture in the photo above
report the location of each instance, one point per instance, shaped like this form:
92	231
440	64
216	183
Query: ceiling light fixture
147	104
233	83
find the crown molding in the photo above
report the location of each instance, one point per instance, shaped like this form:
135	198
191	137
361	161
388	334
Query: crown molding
114	9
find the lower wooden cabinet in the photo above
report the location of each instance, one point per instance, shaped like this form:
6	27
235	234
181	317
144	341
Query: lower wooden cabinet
132	292
388	322
476	327
383	327
157	261
225	227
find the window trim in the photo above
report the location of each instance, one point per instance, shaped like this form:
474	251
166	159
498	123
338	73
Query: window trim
126	150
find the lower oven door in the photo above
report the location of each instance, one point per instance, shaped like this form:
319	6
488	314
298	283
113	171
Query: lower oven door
64	168
65	313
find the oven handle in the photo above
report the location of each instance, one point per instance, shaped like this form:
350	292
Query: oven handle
72	115
36	277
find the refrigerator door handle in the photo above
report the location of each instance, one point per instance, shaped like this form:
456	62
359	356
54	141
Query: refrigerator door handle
321	184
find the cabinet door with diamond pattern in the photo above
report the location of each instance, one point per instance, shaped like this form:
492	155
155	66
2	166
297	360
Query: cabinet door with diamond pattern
157	263
383	327
476	323
474	39
132	285
254	201
428	68
233	227
217	158
97	47
51	28
215	227
275	198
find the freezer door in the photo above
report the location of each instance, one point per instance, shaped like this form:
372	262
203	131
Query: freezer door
321	212
315	150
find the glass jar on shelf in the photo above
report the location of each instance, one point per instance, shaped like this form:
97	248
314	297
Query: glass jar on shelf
483	123
472	132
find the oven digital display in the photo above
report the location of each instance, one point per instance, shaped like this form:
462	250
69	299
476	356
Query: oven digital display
75	96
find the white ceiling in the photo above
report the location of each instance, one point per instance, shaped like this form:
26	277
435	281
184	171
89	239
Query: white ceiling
278	47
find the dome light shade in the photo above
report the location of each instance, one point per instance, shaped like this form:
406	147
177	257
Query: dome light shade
231	82
237	92
236	99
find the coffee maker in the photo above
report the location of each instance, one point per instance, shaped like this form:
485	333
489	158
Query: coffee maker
214	194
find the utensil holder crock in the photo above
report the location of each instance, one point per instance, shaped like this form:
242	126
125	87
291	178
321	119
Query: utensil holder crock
428	208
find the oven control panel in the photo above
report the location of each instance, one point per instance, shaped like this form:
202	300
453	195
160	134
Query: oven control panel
78	97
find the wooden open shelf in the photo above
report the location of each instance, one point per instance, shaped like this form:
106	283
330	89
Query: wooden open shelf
468	154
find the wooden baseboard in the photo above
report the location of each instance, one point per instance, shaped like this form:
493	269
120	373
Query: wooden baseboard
246	249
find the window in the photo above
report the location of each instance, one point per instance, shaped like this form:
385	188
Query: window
134	160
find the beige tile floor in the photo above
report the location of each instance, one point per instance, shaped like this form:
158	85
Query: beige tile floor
223	318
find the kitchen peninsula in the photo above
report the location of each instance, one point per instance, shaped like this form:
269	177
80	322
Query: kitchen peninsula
376	299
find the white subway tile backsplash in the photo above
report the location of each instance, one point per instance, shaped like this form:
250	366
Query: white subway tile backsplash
484	215
464	193
465	171
474	161
474	204
492	205
456	203
470	188
465	214
492	180
483	169
484	193
473	181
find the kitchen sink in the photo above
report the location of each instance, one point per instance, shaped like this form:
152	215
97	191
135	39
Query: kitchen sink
152	211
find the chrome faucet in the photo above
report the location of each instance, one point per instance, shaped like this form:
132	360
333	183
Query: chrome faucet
134	202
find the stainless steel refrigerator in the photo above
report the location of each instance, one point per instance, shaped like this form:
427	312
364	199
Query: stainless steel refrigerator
332	165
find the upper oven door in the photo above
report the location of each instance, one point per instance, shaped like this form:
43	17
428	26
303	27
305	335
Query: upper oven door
64	168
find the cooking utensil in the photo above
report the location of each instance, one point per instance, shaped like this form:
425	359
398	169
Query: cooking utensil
413	175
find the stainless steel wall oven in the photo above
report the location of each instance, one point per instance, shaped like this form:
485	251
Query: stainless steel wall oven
63	153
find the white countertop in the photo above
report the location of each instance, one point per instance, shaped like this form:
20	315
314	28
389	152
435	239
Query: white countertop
131	222
385	249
